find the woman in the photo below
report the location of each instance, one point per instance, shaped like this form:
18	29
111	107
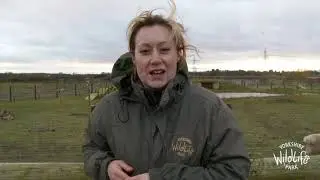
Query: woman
158	125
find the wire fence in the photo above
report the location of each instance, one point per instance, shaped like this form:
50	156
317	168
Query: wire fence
261	85
51	89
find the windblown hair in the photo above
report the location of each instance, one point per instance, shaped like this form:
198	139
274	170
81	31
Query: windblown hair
147	18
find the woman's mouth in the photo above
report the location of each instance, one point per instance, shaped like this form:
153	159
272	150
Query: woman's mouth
157	73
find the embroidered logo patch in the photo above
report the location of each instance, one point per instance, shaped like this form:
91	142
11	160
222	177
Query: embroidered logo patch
182	146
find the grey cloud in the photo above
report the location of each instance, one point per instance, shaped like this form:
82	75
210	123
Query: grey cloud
287	27
96	29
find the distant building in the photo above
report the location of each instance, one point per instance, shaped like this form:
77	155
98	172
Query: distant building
313	79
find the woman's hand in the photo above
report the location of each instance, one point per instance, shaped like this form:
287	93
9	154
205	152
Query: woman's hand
119	170
144	176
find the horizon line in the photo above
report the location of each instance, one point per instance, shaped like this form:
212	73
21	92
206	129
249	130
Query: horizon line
223	70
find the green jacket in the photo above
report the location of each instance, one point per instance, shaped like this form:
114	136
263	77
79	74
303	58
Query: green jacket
191	133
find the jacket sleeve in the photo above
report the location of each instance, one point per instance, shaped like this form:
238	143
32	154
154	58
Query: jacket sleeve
97	154
224	157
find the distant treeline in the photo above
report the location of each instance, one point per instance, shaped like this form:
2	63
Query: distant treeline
38	77
217	72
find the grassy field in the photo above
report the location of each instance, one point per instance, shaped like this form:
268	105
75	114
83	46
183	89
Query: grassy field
269	122
44	130
50	130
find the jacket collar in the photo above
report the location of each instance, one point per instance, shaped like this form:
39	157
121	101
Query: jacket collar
133	91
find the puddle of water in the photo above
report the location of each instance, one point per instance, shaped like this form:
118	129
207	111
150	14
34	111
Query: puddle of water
310	94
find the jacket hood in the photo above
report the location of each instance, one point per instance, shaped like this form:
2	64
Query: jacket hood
123	68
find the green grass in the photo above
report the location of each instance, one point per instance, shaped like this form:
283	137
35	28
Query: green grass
266	123
44	130
43	172
269	122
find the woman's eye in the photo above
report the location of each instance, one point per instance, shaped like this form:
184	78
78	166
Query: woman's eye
165	49
145	51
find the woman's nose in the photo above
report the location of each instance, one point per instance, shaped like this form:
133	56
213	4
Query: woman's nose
155	58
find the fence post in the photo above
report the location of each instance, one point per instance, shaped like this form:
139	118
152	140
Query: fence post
91	87
75	90
38	92
57	90
13	93
89	99
61	94
79	89
311	84
35	92
10	92
271	84
284	84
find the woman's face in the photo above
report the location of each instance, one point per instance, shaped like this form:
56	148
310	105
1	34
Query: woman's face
156	56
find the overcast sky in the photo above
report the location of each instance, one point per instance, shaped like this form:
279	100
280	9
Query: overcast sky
88	36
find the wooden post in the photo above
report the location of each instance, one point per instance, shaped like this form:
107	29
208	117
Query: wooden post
61	89
89	93
60	98
79	89
284	84
35	92
75	90
10	93
91	87
13	93
271	84
38	92
57	89
60	95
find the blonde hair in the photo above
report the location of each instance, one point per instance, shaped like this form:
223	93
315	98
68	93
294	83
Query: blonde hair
147	18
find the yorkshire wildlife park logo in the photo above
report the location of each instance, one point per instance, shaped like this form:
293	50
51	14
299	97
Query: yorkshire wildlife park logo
291	155
183	147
